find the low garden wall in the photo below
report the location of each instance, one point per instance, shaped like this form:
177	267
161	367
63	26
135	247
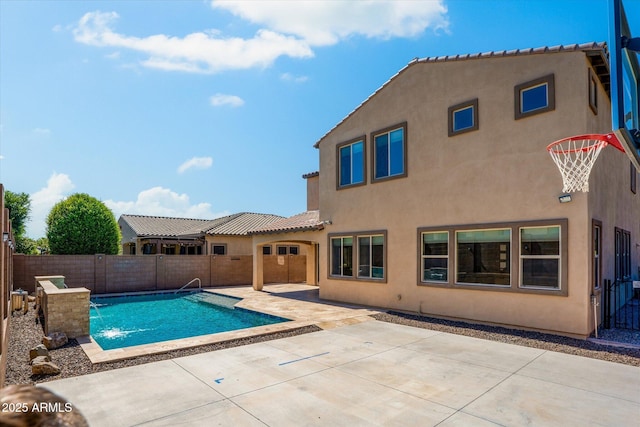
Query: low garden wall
103	274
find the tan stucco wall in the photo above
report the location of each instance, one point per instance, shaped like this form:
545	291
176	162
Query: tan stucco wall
499	173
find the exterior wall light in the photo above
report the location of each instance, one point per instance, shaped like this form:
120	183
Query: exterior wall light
565	198
5	236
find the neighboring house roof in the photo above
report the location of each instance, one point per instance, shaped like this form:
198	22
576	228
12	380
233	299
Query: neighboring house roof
311	174
597	53
305	221
156	226
243	223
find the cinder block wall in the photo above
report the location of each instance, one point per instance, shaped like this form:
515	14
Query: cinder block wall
129	273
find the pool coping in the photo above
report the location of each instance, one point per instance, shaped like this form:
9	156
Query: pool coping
301	314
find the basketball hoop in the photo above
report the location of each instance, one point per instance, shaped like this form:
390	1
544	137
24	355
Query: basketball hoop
575	157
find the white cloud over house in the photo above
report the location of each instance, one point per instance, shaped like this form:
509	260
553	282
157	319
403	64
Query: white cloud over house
324	23
288	29
195	163
160	201
199	52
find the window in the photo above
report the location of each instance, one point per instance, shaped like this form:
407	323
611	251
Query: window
435	256
634	177
342	256
219	248
534	97
287	250
463	117
597	250
368	260
525	257
593	92
389	153
371	257
351	163
623	254
266	250
540	257
483	257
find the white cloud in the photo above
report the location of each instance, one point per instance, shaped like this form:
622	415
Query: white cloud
220	99
323	23
159	201
196	163
58	187
114	55
42	131
57	28
201	52
288	77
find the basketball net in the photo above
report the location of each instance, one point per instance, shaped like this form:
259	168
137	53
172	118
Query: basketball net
576	155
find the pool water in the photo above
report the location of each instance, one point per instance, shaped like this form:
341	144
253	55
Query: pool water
124	321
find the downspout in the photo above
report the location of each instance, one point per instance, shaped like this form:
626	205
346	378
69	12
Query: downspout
594	303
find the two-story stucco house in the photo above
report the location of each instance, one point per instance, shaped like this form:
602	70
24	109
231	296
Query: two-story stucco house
438	195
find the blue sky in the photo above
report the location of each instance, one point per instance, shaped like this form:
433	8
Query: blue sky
206	108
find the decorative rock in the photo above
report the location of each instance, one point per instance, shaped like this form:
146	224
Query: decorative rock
42	367
55	340
41	359
39	350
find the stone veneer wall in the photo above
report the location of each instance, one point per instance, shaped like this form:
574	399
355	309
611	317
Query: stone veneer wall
65	310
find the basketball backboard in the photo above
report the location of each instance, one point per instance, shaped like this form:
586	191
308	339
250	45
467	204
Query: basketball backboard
625	78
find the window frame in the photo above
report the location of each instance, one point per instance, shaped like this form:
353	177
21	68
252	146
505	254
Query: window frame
340	275
508	262
633	178
473	104
593	92
224	248
513	257
383	131
421	233
287	250
361	139
266	250
596	255
355	256
522	257
548	80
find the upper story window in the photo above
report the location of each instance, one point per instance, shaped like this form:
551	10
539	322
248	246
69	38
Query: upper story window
593	92
534	97
351	163
463	117
390	152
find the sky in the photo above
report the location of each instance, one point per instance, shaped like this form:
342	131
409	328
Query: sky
200	109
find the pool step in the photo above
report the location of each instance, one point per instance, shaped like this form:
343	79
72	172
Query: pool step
213	299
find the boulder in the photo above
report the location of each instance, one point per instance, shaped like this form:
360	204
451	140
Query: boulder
39	350
55	340
39	366
40	359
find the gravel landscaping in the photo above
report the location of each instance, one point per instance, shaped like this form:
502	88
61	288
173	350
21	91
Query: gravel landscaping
26	332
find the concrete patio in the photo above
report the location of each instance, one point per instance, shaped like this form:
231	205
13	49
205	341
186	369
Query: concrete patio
362	372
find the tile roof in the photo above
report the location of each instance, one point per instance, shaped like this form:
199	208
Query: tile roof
241	224
597	52
305	221
237	225
162	226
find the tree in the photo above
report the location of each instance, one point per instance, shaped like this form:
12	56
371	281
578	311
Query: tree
82	225
19	207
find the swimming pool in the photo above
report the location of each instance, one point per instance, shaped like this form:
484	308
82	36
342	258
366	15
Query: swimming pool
125	321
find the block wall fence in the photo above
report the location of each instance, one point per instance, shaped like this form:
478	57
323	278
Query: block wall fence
103	274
